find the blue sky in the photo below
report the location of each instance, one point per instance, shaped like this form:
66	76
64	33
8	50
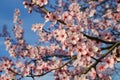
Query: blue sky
7	8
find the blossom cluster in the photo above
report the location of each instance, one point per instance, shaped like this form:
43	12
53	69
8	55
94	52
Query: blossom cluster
81	47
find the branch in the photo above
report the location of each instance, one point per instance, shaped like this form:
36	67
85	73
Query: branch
98	39
104	55
14	71
104	48
46	11
72	58
46	57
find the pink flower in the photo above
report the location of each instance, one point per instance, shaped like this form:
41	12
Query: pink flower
37	27
74	38
60	3
51	17
19	64
27	72
100	67
6	64
74	7
66	16
118	7
40	2
88	56
4	77
43	2
38	70
118	16
92	73
16	14
60	35
7	43
81	49
12	53
110	61
92	13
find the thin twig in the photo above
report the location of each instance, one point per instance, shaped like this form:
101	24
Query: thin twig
72	58
98	39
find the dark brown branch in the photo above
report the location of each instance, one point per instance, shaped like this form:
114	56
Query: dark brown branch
104	55
98	39
104	48
14	71
45	58
96	59
72	58
46	11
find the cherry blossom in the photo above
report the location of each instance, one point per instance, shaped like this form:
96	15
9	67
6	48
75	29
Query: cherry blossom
93	74
52	17
74	38
38	27
78	40
74	7
7	43
118	8
66	16
16	14
60	35
40	2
